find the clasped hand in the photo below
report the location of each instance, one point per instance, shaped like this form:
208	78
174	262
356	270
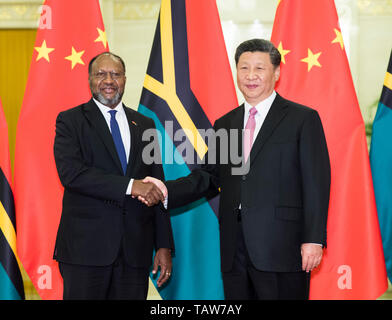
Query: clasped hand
149	191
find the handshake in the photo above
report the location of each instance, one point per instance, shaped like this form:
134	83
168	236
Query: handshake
149	191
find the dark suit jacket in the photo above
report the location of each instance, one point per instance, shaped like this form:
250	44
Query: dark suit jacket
97	215
284	196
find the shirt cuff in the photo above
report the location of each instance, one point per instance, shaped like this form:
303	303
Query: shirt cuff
165	202
129	189
319	244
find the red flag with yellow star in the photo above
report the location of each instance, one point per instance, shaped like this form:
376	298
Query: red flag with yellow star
315	72
70	34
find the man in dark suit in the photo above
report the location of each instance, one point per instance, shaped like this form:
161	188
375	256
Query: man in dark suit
273	210
106	237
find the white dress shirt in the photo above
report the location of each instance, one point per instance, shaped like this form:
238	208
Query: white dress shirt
124	129
262	110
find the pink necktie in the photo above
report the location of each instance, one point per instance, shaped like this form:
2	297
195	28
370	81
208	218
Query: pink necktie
249	132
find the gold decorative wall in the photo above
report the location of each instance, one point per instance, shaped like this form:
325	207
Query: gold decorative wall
19	14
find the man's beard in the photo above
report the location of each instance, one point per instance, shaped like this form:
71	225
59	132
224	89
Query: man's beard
108	102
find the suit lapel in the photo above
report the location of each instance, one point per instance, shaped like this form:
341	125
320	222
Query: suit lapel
135	138
237	123
276	113
98	122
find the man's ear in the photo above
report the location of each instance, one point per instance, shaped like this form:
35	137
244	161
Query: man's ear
277	73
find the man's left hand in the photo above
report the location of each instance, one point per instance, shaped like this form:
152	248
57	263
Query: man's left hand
163	260
312	254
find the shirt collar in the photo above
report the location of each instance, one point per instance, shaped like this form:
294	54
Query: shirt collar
262	105
104	109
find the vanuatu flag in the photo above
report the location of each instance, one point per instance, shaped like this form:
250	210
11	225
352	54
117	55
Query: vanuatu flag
381	162
187	87
11	283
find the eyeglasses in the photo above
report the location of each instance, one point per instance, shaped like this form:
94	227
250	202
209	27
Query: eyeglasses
101	75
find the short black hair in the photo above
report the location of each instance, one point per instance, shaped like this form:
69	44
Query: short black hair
261	45
90	65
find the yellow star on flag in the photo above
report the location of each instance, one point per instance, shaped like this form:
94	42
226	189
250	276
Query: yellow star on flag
339	38
75	57
43	51
102	38
279	2
312	59
283	52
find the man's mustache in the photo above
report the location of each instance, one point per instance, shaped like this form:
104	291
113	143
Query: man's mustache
109	87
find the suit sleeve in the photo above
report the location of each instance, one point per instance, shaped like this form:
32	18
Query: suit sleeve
201	182
75	174
316	179
163	229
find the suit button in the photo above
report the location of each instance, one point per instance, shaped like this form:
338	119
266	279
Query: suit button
243	178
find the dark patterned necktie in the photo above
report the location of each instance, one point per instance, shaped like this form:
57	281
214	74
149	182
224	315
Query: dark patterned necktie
118	140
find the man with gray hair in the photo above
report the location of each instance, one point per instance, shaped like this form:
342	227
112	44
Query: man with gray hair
106	237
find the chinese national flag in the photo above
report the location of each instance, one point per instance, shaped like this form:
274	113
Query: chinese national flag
316	73
70	34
